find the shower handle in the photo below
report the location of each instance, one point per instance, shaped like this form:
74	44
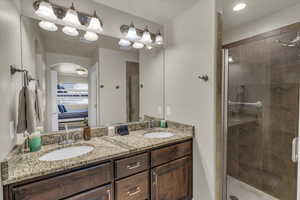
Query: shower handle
295	150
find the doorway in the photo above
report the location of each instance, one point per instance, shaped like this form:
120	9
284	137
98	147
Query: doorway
132	91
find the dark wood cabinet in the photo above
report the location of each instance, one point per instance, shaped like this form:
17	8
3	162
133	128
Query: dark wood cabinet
134	187
131	165
173	152
102	193
163	173
66	185
172	181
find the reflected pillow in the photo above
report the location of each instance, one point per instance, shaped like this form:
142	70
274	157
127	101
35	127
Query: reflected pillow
64	108
60	108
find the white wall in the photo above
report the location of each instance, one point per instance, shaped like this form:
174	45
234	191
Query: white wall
152	78
277	20
190	51
71	79
10	54
112	73
54	58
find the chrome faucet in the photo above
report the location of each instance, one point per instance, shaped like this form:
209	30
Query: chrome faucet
66	138
150	124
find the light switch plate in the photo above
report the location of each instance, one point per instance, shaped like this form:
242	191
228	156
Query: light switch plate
159	109
169	110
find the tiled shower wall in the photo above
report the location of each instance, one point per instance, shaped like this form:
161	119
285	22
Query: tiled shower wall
259	139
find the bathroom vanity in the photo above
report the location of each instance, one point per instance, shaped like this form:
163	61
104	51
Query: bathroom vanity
161	169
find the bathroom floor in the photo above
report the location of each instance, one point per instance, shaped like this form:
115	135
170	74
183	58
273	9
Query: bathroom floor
237	190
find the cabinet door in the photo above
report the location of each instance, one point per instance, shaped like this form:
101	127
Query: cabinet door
103	193
172	181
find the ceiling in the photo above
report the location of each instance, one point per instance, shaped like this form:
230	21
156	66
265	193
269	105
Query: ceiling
255	10
159	11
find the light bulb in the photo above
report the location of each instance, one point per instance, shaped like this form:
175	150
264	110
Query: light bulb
95	24
45	10
81	72
91	36
146	38
132	34
149	47
138	45
71	17
48	26
71	31
159	39
230	59
124	43
239	6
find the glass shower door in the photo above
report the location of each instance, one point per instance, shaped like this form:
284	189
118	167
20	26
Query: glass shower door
262	118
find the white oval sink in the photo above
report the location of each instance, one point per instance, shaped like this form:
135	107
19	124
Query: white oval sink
158	135
66	153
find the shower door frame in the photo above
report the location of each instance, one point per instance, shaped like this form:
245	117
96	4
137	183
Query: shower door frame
224	125
224	101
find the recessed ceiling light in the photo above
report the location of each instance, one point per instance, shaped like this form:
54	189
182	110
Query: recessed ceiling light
239	6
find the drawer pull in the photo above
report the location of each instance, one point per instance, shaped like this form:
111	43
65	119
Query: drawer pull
134	165
155	179
134	192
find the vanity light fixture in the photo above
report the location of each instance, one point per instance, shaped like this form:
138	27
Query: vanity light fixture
124	43
138	39
240	5
45	10
138	45
91	36
146	38
149	47
71	31
71	17
159	39
48	26
132	34
95	24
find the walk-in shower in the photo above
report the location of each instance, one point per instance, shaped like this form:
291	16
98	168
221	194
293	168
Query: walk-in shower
262	105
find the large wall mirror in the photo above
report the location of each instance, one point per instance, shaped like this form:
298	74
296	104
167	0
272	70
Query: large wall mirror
81	83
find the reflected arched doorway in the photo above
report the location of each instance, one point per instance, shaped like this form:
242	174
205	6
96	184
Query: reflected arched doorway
68	96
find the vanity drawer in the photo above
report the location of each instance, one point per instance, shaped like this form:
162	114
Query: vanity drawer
133	188
132	165
102	193
66	185
166	154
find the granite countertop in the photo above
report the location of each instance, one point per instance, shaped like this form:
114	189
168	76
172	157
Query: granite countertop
20	167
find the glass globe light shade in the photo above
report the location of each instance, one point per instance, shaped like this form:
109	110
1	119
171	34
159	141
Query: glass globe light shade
71	31
91	36
48	26
45	10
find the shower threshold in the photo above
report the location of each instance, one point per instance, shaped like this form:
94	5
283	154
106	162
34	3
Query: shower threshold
238	190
